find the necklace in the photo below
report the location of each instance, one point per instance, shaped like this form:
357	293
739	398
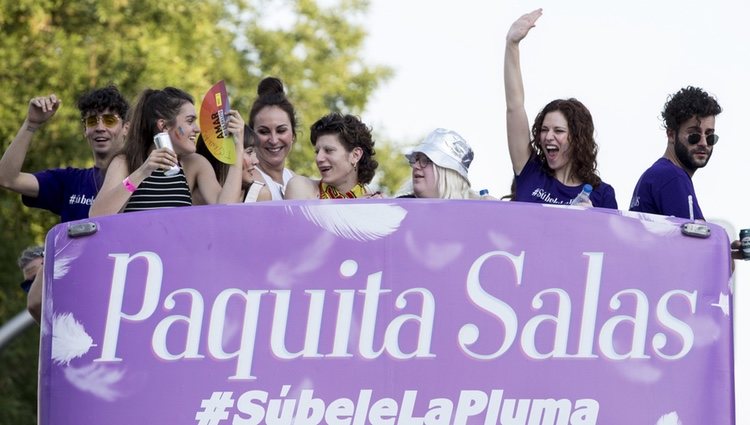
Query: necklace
329	192
98	177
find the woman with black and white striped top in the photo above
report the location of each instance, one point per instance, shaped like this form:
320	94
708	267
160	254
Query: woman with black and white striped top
137	180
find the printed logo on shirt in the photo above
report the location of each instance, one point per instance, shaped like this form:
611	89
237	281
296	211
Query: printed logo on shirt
635	202
80	199
546	197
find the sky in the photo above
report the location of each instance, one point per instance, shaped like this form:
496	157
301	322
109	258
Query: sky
621	59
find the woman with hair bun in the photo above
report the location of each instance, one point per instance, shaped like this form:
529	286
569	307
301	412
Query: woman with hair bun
554	160
274	121
344	154
138	178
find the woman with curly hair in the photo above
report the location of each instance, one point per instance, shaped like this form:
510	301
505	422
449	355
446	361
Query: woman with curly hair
344	154
557	158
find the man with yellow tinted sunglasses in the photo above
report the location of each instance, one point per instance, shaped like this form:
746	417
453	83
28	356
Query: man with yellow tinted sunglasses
67	192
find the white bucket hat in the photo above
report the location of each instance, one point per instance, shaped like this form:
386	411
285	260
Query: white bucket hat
447	149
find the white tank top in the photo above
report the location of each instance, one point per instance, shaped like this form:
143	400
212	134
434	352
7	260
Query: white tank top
277	189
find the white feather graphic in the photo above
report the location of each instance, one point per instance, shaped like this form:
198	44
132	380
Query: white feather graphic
69	339
433	255
47	315
706	330
723	303
570	207
500	240
62	266
72	249
656	224
639	371
306	384
670	418
96	379
359	222
287	270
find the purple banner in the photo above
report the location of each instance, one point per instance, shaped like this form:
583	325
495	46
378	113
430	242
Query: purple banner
387	312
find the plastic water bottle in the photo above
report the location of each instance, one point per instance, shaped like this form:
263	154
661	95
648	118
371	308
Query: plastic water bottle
583	198
485	194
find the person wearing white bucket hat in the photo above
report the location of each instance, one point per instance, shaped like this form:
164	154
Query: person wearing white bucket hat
440	167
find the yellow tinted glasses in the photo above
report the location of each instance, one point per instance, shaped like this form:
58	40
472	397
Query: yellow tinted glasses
109	120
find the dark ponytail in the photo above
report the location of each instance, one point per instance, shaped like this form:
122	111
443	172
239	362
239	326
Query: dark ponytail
151	106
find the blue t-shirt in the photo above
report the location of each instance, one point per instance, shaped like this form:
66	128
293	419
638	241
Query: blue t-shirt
67	192
534	185
664	189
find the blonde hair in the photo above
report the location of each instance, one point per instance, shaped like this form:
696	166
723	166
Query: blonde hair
451	185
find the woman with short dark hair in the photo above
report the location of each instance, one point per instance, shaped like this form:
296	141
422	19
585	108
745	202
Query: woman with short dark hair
344	154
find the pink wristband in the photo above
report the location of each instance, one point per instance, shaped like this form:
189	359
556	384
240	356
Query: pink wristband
129	186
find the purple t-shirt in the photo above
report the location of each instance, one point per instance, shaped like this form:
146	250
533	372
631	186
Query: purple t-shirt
664	189
534	185
67	192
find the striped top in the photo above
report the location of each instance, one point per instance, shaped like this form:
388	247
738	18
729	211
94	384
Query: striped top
160	191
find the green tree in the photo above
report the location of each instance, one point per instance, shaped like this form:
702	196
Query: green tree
68	47
317	56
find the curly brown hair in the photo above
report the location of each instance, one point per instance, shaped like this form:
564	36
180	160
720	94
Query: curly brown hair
581	132
352	133
687	103
99	100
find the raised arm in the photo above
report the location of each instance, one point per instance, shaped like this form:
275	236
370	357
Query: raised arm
34	297
41	109
208	186
517	122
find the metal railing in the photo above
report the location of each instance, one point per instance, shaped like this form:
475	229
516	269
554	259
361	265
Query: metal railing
14	327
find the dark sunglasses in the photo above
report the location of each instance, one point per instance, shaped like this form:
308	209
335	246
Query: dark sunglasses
695	138
26	284
109	120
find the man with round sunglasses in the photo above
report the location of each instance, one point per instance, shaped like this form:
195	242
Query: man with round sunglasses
67	192
666	188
